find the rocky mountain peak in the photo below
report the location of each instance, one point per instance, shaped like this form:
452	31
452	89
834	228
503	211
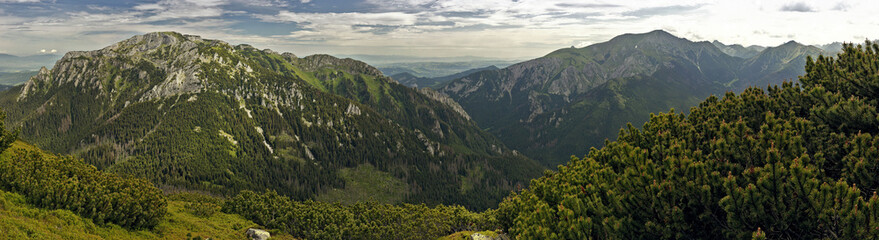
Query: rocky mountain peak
173	57
791	43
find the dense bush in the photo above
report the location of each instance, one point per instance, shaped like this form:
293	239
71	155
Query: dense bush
67	183
798	162
6	138
318	220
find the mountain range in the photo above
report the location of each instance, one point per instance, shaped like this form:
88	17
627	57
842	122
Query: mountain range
12	63
198	114
175	136
202	115
411	80
573	99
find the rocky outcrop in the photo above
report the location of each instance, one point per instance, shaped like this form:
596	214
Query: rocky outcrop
257	234
352	109
445	99
480	236
174	57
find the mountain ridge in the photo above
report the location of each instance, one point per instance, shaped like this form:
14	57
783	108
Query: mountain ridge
200	114
578	97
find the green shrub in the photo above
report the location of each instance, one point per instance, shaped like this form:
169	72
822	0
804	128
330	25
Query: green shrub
60	182
798	162
319	220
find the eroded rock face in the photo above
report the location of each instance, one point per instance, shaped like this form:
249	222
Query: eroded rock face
169	62
445	99
352	109
258	234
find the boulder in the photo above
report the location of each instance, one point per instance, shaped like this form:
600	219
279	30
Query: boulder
257	234
480	236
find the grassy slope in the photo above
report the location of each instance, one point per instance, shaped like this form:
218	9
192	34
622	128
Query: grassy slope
365	183
20	220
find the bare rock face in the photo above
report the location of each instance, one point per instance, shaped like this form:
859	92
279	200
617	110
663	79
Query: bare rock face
352	109
36	83
445	99
480	236
175	58
258	234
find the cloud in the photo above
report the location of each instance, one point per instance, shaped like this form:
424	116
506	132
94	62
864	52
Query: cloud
663	10
797	7
346	19
841	6
19	1
586	5
181	9
495	28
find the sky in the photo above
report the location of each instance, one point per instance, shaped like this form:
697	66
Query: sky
500	29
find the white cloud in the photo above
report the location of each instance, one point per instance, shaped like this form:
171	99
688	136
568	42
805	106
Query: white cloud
347	19
491	28
182	9
305	1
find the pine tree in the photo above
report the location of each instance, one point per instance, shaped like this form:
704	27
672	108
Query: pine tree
6	138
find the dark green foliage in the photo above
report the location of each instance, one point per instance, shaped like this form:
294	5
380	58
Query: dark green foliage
6	137
318	220
67	183
796	162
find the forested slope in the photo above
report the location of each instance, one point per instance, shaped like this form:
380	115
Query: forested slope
796	161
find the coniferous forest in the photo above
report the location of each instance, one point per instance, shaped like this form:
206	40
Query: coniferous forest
795	161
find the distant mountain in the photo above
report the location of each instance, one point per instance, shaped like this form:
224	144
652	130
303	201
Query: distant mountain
737	50
444	79
438	69
383	60
15	78
12	63
4	87
408	79
775	65
198	114
574	98
834	47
